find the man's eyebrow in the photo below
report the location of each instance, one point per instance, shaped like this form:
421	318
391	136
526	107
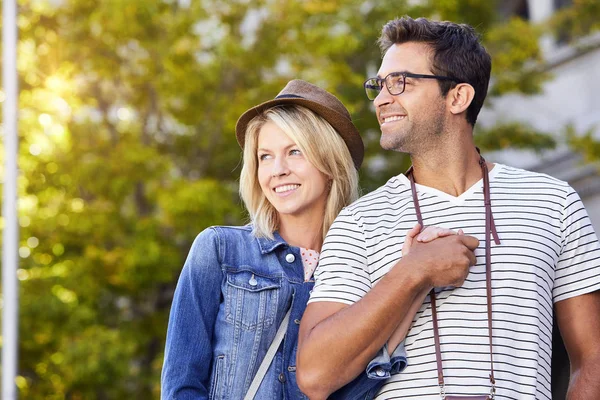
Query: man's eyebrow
396	72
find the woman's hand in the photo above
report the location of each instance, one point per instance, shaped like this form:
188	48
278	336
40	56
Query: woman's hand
428	234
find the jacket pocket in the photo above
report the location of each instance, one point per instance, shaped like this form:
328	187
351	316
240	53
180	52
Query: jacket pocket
218	375
251	299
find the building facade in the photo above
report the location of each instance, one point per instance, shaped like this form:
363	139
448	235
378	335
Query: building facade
569	98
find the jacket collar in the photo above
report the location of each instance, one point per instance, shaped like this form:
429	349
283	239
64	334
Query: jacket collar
269	245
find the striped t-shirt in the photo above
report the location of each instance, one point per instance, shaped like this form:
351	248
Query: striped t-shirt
548	252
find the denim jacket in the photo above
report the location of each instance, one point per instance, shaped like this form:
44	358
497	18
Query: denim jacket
232	295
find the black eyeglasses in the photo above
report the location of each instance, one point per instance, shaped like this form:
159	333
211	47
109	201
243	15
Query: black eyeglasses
396	82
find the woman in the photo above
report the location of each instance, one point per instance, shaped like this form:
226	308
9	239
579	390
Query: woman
301	153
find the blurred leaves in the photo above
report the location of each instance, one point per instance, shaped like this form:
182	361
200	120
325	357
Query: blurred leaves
516	54
585	143
515	135
576	21
127	151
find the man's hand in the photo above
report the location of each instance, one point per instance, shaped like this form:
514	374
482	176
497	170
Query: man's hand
444	260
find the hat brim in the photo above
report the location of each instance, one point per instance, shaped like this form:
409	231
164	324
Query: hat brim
339	122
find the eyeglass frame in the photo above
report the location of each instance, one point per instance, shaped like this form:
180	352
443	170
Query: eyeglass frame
405	75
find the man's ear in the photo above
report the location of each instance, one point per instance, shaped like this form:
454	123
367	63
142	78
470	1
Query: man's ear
459	98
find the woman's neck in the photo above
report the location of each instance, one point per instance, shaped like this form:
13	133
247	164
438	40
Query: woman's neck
302	231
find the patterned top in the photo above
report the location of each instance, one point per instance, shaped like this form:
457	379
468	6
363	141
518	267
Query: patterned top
310	260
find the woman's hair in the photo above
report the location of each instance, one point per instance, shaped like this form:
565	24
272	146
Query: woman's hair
322	146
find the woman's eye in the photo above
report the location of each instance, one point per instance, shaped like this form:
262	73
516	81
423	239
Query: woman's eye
262	157
295	152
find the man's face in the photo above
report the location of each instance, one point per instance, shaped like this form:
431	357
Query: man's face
410	122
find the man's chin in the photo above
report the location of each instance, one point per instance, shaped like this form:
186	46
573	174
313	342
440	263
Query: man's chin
393	145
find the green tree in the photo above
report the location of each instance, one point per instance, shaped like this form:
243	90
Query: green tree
127	151
571	24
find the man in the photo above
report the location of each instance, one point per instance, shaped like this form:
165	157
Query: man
543	250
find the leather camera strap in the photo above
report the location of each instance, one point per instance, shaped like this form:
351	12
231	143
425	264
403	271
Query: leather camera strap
490	232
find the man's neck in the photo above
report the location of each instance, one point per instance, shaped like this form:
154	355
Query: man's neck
448	170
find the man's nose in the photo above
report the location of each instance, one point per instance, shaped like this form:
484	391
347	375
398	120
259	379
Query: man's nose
384	97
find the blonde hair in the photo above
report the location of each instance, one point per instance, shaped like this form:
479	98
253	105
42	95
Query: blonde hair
323	147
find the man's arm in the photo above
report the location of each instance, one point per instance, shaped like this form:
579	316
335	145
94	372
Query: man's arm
336	341
577	298
579	322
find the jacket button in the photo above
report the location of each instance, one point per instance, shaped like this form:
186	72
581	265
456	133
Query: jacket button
290	258
253	281
282	378
379	372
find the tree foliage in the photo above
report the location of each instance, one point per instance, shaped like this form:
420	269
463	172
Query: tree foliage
127	151
577	21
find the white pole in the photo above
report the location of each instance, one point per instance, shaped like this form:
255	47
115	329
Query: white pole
10	243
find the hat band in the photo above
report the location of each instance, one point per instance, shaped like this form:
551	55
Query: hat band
281	96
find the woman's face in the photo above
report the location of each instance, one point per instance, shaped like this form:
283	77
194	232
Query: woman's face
291	184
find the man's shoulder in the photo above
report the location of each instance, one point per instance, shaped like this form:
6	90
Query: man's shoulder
522	177
389	193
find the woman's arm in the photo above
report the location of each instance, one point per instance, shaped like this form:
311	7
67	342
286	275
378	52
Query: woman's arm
428	234
188	351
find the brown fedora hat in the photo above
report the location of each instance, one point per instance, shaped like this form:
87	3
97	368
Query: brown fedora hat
320	102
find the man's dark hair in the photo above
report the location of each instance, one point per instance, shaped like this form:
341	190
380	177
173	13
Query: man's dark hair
457	53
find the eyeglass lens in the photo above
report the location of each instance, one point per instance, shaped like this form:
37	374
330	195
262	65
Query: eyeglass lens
394	83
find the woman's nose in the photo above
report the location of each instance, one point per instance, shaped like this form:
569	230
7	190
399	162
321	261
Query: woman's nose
280	167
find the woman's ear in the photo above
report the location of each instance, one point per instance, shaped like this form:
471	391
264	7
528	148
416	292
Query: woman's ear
460	97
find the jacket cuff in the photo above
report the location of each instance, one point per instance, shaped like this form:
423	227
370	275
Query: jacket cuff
398	359
382	366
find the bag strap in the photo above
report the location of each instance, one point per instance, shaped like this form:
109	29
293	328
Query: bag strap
266	362
490	230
